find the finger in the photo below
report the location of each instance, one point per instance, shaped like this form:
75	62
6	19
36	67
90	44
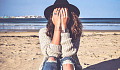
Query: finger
63	12
58	9
58	12
55	11
66	13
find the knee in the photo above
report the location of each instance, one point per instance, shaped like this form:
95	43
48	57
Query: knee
51	59
68	65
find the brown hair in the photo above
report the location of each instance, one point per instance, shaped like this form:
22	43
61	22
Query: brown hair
74	26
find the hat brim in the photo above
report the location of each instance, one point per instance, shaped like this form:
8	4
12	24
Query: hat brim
70	7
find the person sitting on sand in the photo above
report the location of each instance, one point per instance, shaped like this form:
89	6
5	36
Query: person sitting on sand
60	40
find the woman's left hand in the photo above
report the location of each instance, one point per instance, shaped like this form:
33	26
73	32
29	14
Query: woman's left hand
65	17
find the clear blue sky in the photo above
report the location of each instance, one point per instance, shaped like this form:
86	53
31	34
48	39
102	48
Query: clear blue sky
88	8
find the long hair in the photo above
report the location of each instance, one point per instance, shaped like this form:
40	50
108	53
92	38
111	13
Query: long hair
74	26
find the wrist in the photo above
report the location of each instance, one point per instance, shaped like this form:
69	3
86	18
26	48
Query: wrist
65	30
57	28
64	27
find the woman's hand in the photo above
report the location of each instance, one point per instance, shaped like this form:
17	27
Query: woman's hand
57	19
65	17
57	30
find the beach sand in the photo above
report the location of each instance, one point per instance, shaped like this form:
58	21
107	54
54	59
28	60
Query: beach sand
99	50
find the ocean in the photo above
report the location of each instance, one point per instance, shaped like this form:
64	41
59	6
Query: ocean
13	24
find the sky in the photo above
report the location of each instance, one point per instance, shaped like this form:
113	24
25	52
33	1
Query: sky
88	8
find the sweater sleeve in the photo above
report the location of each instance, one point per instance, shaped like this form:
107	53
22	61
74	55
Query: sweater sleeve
47	48
68	47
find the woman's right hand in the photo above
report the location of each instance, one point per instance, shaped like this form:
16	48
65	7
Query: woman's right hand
56	18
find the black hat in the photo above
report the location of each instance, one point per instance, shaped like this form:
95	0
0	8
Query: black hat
61	3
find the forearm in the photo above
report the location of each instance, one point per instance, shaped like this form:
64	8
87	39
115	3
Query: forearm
67	46
48	49
56	37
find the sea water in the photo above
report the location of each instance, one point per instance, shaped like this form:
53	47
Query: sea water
36	24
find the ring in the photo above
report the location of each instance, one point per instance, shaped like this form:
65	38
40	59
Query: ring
55	13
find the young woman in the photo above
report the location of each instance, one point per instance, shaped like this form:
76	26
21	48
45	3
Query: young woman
60	40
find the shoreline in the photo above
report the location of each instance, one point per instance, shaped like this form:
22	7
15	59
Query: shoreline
33	30
34	33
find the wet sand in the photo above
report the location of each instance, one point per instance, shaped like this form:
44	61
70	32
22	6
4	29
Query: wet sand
99	50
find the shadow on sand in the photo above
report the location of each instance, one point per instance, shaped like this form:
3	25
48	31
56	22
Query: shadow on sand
113	64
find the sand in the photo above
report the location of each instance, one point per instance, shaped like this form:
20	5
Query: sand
99	50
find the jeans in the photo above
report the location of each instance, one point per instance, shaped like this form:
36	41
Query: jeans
58	63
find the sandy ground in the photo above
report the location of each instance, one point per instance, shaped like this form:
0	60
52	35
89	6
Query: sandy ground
98	50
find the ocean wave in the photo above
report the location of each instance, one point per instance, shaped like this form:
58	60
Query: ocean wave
23	24
101	24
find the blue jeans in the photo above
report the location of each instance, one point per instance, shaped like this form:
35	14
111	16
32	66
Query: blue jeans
58	65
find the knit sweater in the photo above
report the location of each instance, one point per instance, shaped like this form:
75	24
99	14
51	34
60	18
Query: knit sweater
66	48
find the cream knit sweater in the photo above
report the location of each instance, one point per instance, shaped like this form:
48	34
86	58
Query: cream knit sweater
67	47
